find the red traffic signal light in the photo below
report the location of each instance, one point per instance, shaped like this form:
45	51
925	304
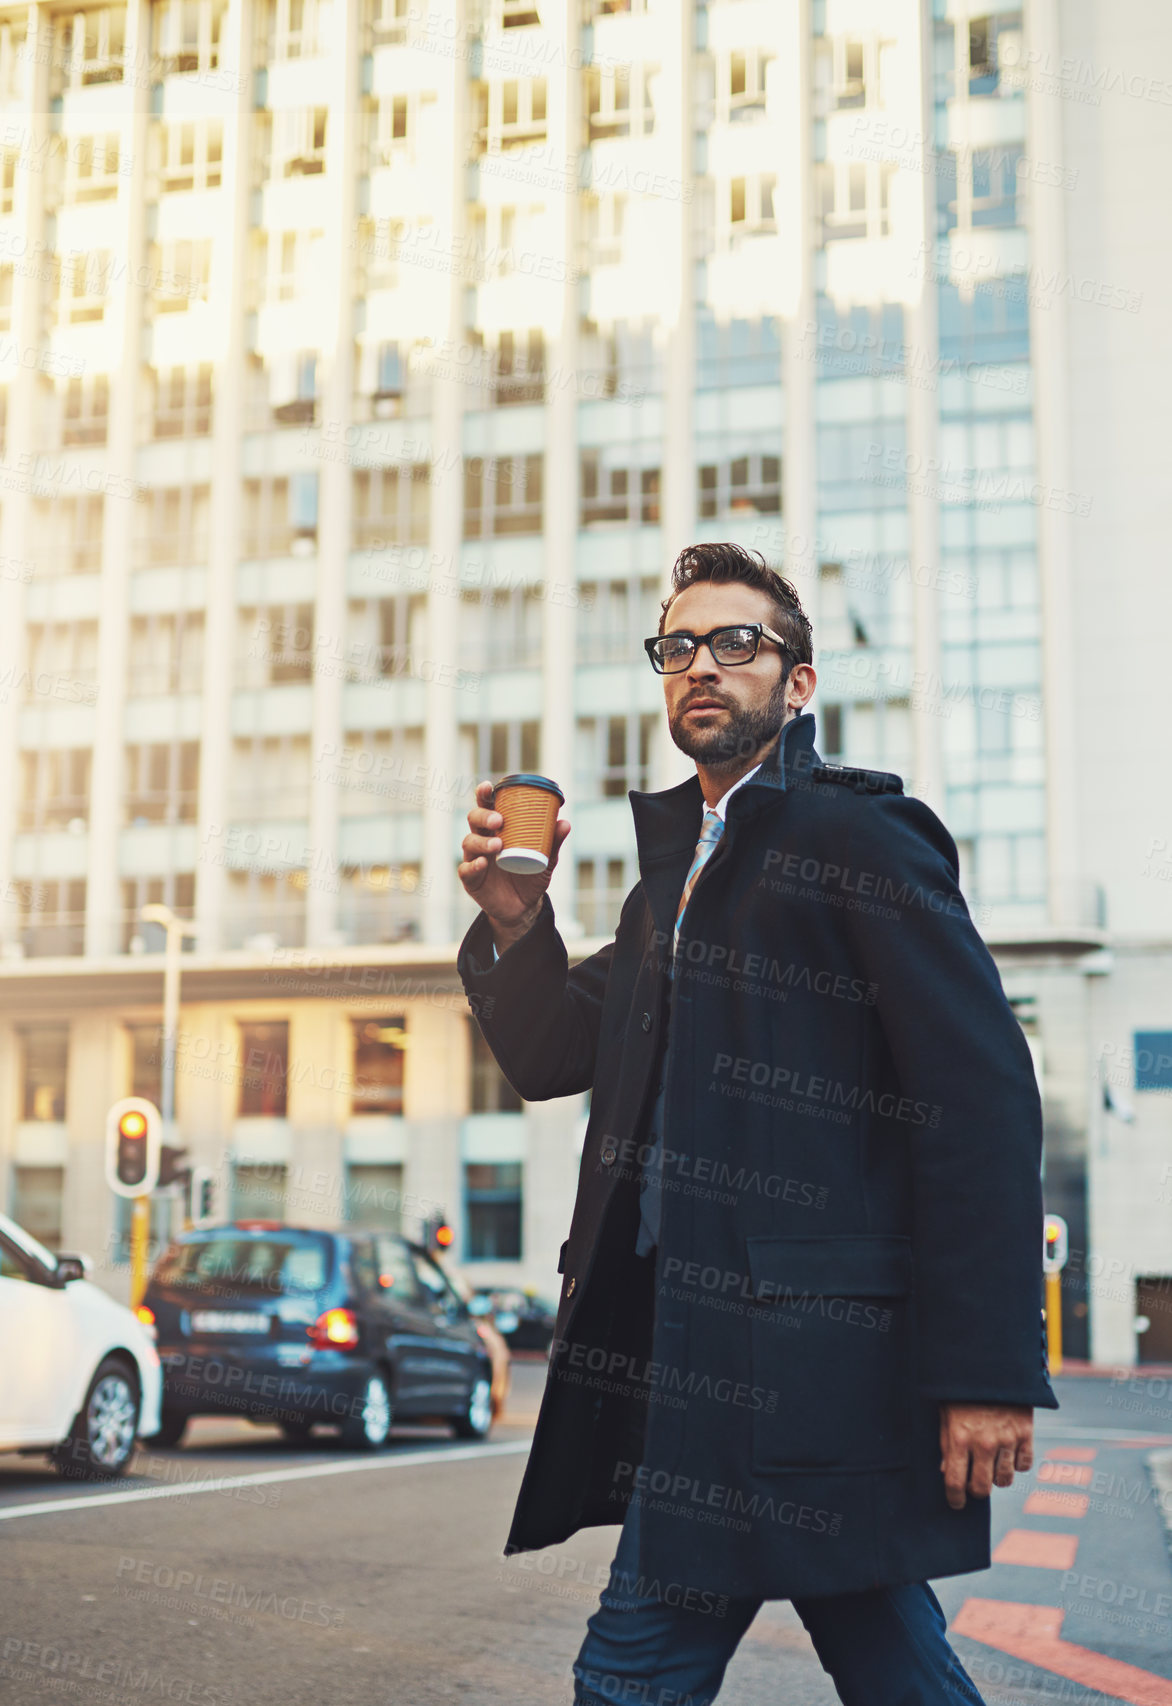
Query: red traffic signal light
132	1147
444	1236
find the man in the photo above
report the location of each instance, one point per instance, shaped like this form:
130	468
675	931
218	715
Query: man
800	1333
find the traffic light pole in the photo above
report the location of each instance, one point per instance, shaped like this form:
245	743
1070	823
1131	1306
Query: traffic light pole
140	1232
1054	1321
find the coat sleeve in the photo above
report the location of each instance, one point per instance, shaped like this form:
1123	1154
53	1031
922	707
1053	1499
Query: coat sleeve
958	1048
539	1017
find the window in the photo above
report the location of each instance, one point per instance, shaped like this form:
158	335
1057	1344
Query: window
396	1271
264	1068
994	180
83	278
739	485
258	1193
183	402
85	410
298	29
389	20
9	159
502	496
44	1065
392	505
55	788
379	1046
187	36
166	653
853	198
191	155
617	495
511	113
276	644
499	749
619	100
266	909
162	782
602	888
52	916
620	361
831	742
393	121
176	889
614	754
146	1059
63	660
1153	1060
614	617
37	1194
380	903
173	527
994	43
492	1207
750	206
743	83
489	1091
299	141
181	272
383	635
5	299
519	368
501	629
36	1203
603	225
88	47
374	1195
69	535
736	352
270	777
280	514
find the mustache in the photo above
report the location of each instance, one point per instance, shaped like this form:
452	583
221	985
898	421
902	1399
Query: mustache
699	699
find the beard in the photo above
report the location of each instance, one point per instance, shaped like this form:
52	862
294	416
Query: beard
746	730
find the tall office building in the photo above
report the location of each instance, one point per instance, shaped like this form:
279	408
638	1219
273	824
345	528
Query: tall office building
365	364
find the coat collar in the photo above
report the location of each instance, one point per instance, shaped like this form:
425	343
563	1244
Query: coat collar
667	823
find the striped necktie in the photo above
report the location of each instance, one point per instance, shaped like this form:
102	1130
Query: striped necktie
711	831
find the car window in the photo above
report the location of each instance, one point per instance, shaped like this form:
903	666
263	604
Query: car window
280	1262
433	1281
12	1265
396	1275
363	1265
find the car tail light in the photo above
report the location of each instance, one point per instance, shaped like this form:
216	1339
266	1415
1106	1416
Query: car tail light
146	1318
335	1330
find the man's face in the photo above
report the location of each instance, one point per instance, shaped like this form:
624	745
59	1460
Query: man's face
720	715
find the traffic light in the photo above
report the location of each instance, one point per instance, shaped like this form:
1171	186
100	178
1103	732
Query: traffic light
133	1140
1055	1244
438	1233
203	1195
174	1168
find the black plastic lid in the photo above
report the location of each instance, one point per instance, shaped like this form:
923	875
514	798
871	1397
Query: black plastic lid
523	777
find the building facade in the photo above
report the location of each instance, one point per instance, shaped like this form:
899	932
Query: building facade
364	366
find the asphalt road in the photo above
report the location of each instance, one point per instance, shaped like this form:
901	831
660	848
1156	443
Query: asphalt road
240	1569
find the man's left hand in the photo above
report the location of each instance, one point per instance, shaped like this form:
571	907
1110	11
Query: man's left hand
981	1445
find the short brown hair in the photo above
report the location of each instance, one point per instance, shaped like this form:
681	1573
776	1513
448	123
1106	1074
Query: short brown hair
729	562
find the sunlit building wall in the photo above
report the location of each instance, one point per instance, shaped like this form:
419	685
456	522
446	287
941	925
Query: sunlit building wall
364	365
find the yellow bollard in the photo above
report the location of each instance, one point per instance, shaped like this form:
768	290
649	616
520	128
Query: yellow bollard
1054	1321
140	1232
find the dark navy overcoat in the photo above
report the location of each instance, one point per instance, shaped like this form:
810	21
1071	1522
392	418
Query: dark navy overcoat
851	1214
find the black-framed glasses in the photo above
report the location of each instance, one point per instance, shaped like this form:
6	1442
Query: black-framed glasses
729	646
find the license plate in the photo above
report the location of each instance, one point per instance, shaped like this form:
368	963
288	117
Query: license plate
229	1321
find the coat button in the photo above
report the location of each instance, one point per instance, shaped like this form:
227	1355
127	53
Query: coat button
570	1287
609	1154
646	1021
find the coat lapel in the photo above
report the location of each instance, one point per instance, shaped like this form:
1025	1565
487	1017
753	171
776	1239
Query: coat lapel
667	823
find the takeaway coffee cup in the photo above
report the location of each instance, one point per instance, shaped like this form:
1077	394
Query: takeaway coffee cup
529	805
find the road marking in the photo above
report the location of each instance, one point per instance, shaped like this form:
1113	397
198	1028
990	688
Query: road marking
1039	1550
1064	1474
1056	1504
1034	1633
1072	1454
225	1483
1122	1436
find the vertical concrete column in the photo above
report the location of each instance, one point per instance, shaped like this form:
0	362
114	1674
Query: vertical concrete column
674	161
121	520
923	434
335	496
1049	345
442	807
229	278
435	1079
28	218
559	617
96	1076
318	1107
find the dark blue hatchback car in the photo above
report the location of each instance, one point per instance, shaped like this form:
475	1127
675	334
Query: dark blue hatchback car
299	1326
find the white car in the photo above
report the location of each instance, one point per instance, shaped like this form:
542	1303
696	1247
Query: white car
79	1375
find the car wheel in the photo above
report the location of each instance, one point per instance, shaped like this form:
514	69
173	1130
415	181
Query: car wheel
172	1427
101	1441
368	1425
475	1420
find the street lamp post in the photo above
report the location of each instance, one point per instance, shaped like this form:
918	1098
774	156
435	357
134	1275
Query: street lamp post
155	912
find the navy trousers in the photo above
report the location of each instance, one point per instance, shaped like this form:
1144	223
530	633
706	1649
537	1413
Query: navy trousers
883	1648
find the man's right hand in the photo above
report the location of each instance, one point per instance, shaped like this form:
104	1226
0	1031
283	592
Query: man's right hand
511	904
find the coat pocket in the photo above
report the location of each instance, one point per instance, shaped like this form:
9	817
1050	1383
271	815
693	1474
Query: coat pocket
831	1334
